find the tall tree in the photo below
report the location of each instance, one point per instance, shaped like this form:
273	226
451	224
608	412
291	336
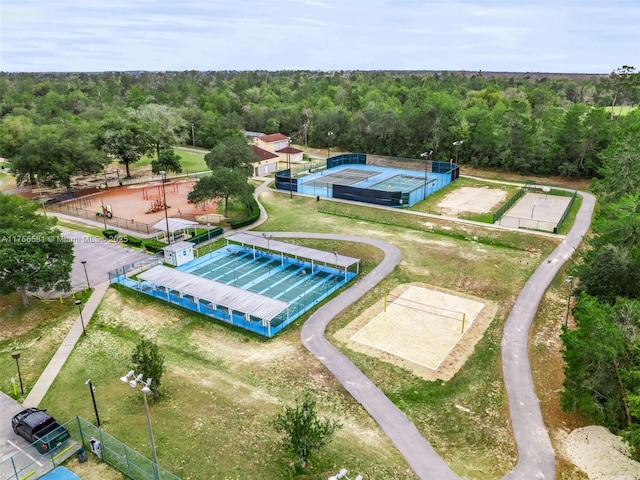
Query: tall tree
33	254
234	153
168	161
147	360
123	138
620	172
303	432
54	153
223	183
593	352
623	79
162	126
14	132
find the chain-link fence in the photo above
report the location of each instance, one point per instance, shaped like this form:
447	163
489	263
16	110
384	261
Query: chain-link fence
112	221
85	438
29	462
117	454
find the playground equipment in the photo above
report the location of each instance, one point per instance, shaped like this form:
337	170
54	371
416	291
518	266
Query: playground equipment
151	190
157	206
104	211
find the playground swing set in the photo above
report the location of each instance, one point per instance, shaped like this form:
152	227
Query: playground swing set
104	211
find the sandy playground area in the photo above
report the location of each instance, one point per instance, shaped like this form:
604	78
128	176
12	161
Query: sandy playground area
421	329
472	199
143	203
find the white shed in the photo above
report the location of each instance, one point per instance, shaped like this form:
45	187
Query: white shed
178	253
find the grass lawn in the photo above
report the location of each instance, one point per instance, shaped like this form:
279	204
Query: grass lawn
620	109
190	161
36	331
221	386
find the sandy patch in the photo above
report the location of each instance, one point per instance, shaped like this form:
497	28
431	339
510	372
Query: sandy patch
136	202
472	199
414	334
598	453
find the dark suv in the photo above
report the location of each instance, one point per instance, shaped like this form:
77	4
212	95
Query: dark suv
38	427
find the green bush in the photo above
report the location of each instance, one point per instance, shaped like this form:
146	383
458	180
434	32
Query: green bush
109	233
153	246
248	220
133	241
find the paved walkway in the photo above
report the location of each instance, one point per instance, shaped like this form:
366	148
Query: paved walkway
536	458
50	373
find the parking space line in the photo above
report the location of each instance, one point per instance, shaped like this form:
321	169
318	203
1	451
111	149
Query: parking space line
23	451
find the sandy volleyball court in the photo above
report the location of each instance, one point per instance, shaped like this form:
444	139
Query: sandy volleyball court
421	329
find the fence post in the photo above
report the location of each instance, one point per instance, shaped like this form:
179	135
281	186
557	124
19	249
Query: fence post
80	431
104	449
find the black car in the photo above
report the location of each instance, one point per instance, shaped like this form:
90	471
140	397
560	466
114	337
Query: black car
38	427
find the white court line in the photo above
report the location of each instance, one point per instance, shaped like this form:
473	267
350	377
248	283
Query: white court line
21	450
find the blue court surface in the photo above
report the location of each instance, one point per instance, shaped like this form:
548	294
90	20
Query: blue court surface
255	283
60	473
394	182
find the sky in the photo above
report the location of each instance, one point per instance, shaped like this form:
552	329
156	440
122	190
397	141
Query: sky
564	36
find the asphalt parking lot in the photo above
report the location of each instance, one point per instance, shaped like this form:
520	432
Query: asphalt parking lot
101	257
8	408
16	456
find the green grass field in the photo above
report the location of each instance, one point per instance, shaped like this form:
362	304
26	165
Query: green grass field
620	110
222	386
190	161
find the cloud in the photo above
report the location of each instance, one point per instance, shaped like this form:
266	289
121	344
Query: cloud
528	35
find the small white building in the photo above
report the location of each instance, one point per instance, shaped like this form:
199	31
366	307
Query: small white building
178	253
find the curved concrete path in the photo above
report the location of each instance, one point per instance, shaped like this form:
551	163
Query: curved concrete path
536	457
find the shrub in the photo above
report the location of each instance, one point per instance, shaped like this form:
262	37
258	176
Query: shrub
247	220
109	233
134	241
153	246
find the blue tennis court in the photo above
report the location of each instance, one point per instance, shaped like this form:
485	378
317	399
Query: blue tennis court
398	183
60	473
254	283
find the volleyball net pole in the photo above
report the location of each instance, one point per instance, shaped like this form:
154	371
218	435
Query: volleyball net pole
463	319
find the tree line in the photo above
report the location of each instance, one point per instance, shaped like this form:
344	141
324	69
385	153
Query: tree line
531	125
53	127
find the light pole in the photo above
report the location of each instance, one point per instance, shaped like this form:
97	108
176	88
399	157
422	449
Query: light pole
457	145
164	199
79	303
290	174
132	380
92	389
329	141
426	156
233	260
569	281
193	135
16	356
343	474
304	288
104	213
84	265
209	231
268	237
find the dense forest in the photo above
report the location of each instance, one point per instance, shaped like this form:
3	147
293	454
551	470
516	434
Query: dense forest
54	126
529	124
